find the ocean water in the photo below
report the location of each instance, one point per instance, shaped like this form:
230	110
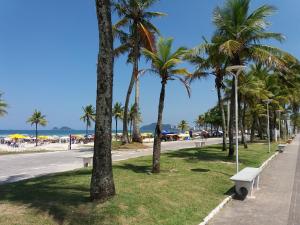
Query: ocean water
59	133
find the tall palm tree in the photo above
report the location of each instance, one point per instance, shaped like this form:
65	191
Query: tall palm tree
88	116
3	106
118	113
199	122
136	19
209	61
183	125
131	116
164	64
241	33
102	182
37	118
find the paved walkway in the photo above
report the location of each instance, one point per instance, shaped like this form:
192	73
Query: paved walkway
23	166
278	200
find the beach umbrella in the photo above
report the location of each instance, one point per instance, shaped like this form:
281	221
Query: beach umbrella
42	137
17	136
65	137
77	136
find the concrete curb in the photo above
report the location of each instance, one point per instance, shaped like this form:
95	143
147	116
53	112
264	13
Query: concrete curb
216	210
229	198
269	160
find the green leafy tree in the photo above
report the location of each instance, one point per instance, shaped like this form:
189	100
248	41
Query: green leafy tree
37	118
164	64
117	113
242	33
199	122
88	116
3	106
183	125
139	32
209	61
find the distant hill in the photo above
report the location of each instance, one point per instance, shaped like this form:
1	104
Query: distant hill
151	127
62	128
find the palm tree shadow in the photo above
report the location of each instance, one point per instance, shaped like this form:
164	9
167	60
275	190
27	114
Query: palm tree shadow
49	194
134	168
200	170
209	153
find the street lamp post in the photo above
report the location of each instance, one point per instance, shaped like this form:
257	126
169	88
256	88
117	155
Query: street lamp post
228	117
238	69
268	101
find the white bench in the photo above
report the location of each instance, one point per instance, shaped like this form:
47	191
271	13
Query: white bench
87	160
199	144
246	180
281	147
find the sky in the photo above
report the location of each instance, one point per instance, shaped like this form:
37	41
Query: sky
48	54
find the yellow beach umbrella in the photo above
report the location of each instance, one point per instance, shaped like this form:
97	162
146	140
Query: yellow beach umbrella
43	137
17	136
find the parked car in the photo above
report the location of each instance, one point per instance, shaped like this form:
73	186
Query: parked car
169	136
217	133
201	133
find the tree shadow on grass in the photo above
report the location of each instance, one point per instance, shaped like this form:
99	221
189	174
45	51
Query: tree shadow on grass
200	170
134	168
208	153
50	194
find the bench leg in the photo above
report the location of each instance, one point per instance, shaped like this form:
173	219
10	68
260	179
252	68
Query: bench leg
251	191
257	183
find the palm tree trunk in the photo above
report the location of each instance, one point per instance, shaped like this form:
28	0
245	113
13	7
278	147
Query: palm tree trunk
243	125
274	127
287	129
102	182
134	76
231	119
221	108
87	130
253	128
130	127
260	129
157	135
125	138
116	131
136	134
36	134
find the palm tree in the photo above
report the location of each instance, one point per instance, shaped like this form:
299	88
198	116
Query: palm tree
3	106
37	118
136	18
164	64
102	182
209	61
183	125
117	113
241	33
131	116
88	116
199	122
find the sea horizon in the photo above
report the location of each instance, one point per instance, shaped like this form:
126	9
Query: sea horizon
60	133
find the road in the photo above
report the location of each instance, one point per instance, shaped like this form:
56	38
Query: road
23	166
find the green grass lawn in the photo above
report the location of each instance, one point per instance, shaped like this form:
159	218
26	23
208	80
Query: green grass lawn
191	184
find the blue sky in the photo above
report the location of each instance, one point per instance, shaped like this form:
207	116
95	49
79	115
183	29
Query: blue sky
48	52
